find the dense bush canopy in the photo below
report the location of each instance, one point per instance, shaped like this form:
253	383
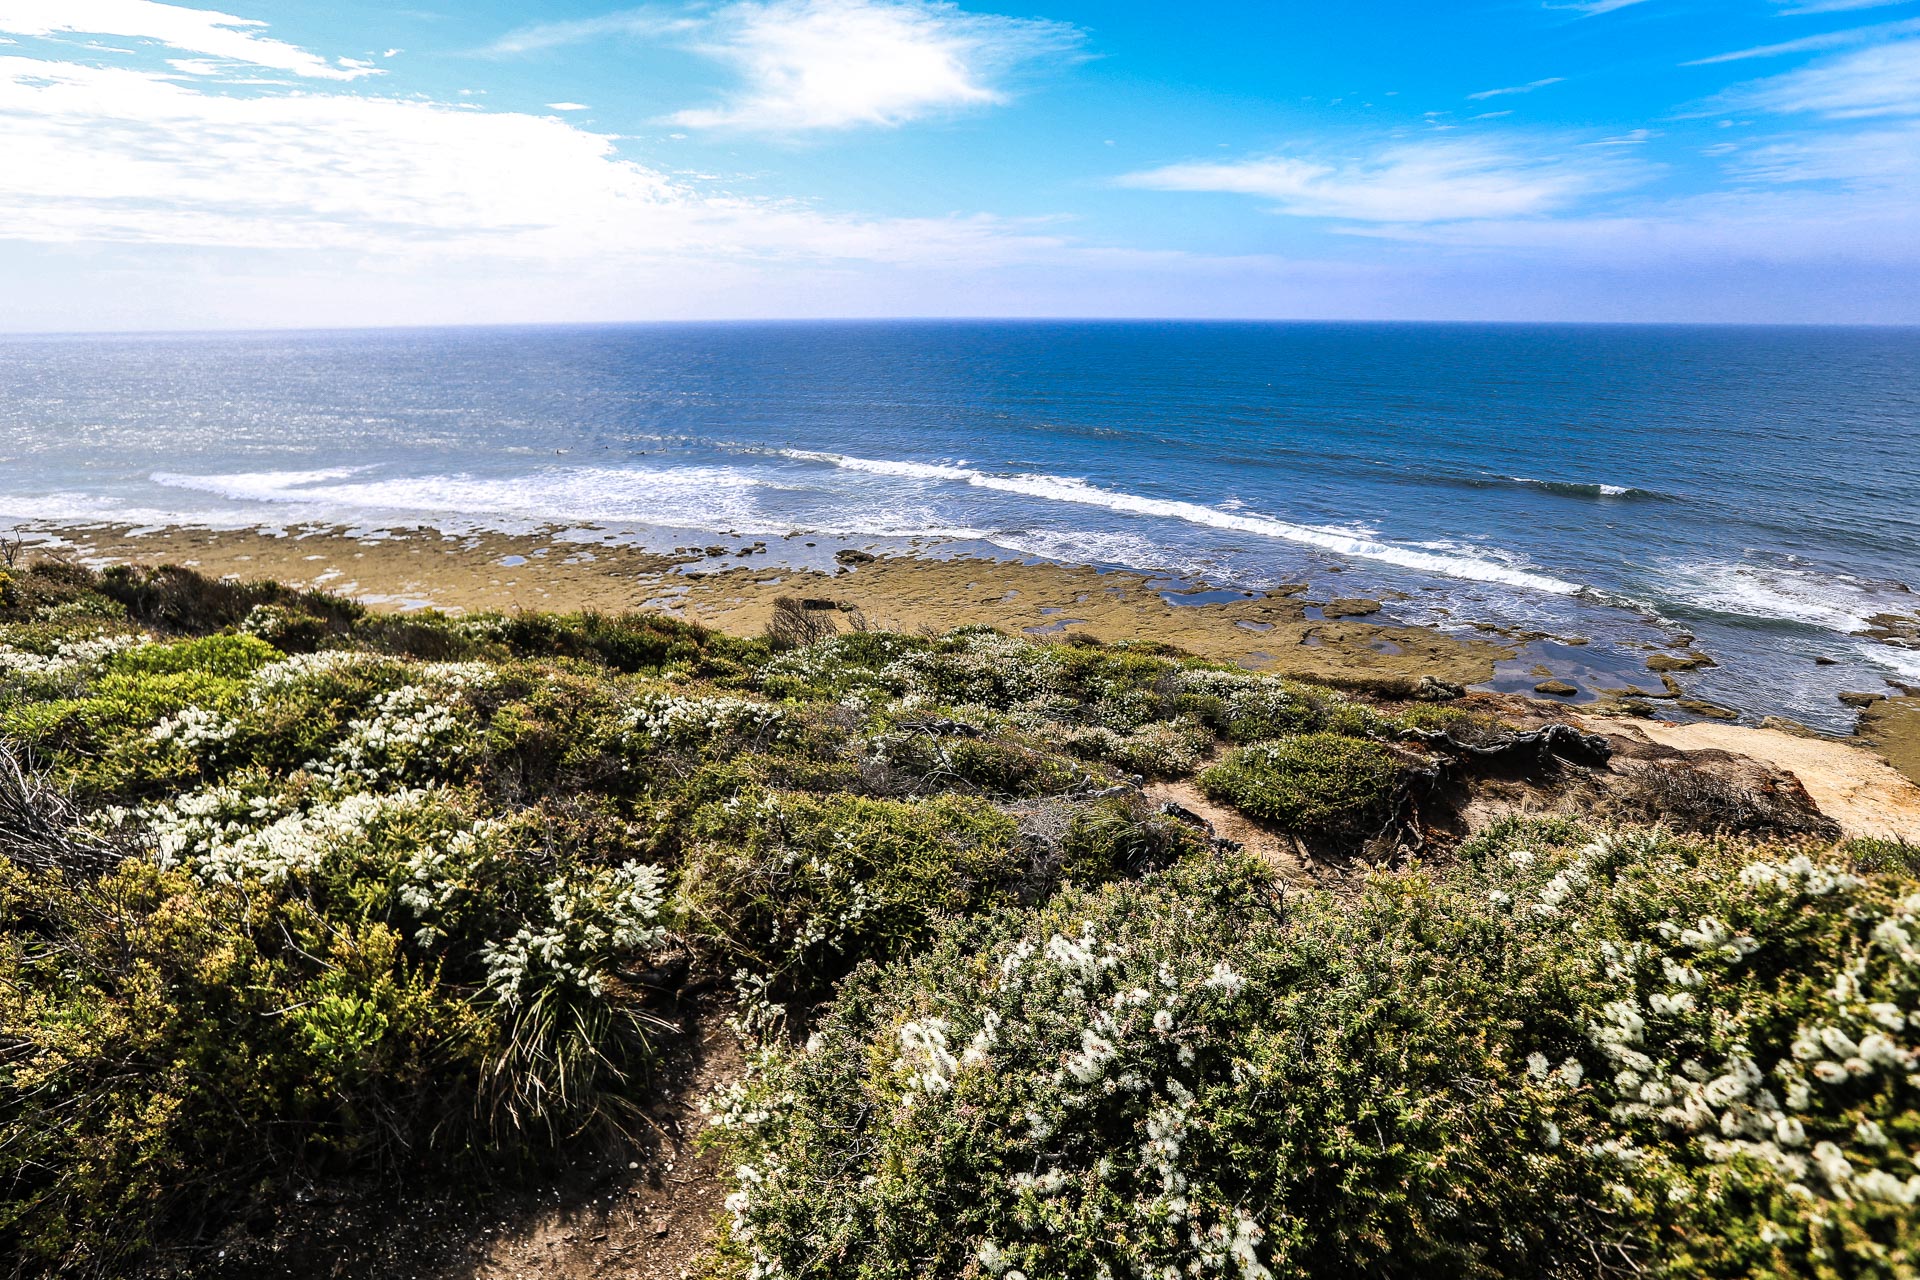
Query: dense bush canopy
1573	1055
291	893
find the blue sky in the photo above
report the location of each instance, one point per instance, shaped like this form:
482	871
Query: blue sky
271	163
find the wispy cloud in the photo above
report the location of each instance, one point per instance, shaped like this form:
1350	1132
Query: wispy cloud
1813	44
631	24
816	65
1423	182
1593	8
1529	87
1883	80
1833	6
199	31
568	106
1880	158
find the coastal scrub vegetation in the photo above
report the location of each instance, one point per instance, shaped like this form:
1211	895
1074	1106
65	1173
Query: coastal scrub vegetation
293	893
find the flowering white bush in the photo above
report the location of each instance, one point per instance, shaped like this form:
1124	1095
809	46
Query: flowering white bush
1130	1030
66	658
225	835
409	733
596	918
1696	1058
303	668
672	720
194	729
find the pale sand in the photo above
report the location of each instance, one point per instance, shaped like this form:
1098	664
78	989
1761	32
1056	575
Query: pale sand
1854	787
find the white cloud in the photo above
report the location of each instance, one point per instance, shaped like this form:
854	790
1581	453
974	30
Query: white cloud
201	31
1833	6
1743	228
568	106
1422	182
835	64
1880	81
810	65
635	23
1518	88
117	156
1593	8
1810	44
1876	159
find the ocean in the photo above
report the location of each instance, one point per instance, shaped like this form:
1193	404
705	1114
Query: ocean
1757	488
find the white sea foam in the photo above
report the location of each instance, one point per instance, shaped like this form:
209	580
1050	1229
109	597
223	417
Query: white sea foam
255	486
1096	547
1068	489
1904	663
1833	601
1583	488
693	498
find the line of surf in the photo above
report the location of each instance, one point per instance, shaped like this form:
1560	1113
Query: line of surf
1583	488
1067	489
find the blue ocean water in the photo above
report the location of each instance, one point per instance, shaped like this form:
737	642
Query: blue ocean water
1758	488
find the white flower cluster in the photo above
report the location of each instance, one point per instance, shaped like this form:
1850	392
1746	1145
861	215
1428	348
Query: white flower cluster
832	663
461	677
438	870
297	670
1132	1046
194	729
596	918
1800	875
68	658
670	720
1732	1104
985	667
403	728
225	836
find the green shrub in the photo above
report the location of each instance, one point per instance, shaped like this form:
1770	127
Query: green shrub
233	657
925	759
290	984
289	630
1871	855
179	600
1635	1055
1324	784
1164	1079
799	888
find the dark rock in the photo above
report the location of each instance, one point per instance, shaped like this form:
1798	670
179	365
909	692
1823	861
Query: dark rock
1861	699
1690	661
1712	710
847	555
1433	689
1561	687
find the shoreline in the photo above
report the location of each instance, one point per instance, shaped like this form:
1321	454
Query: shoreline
1309	630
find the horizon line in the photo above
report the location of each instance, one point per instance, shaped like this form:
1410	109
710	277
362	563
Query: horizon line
823	321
